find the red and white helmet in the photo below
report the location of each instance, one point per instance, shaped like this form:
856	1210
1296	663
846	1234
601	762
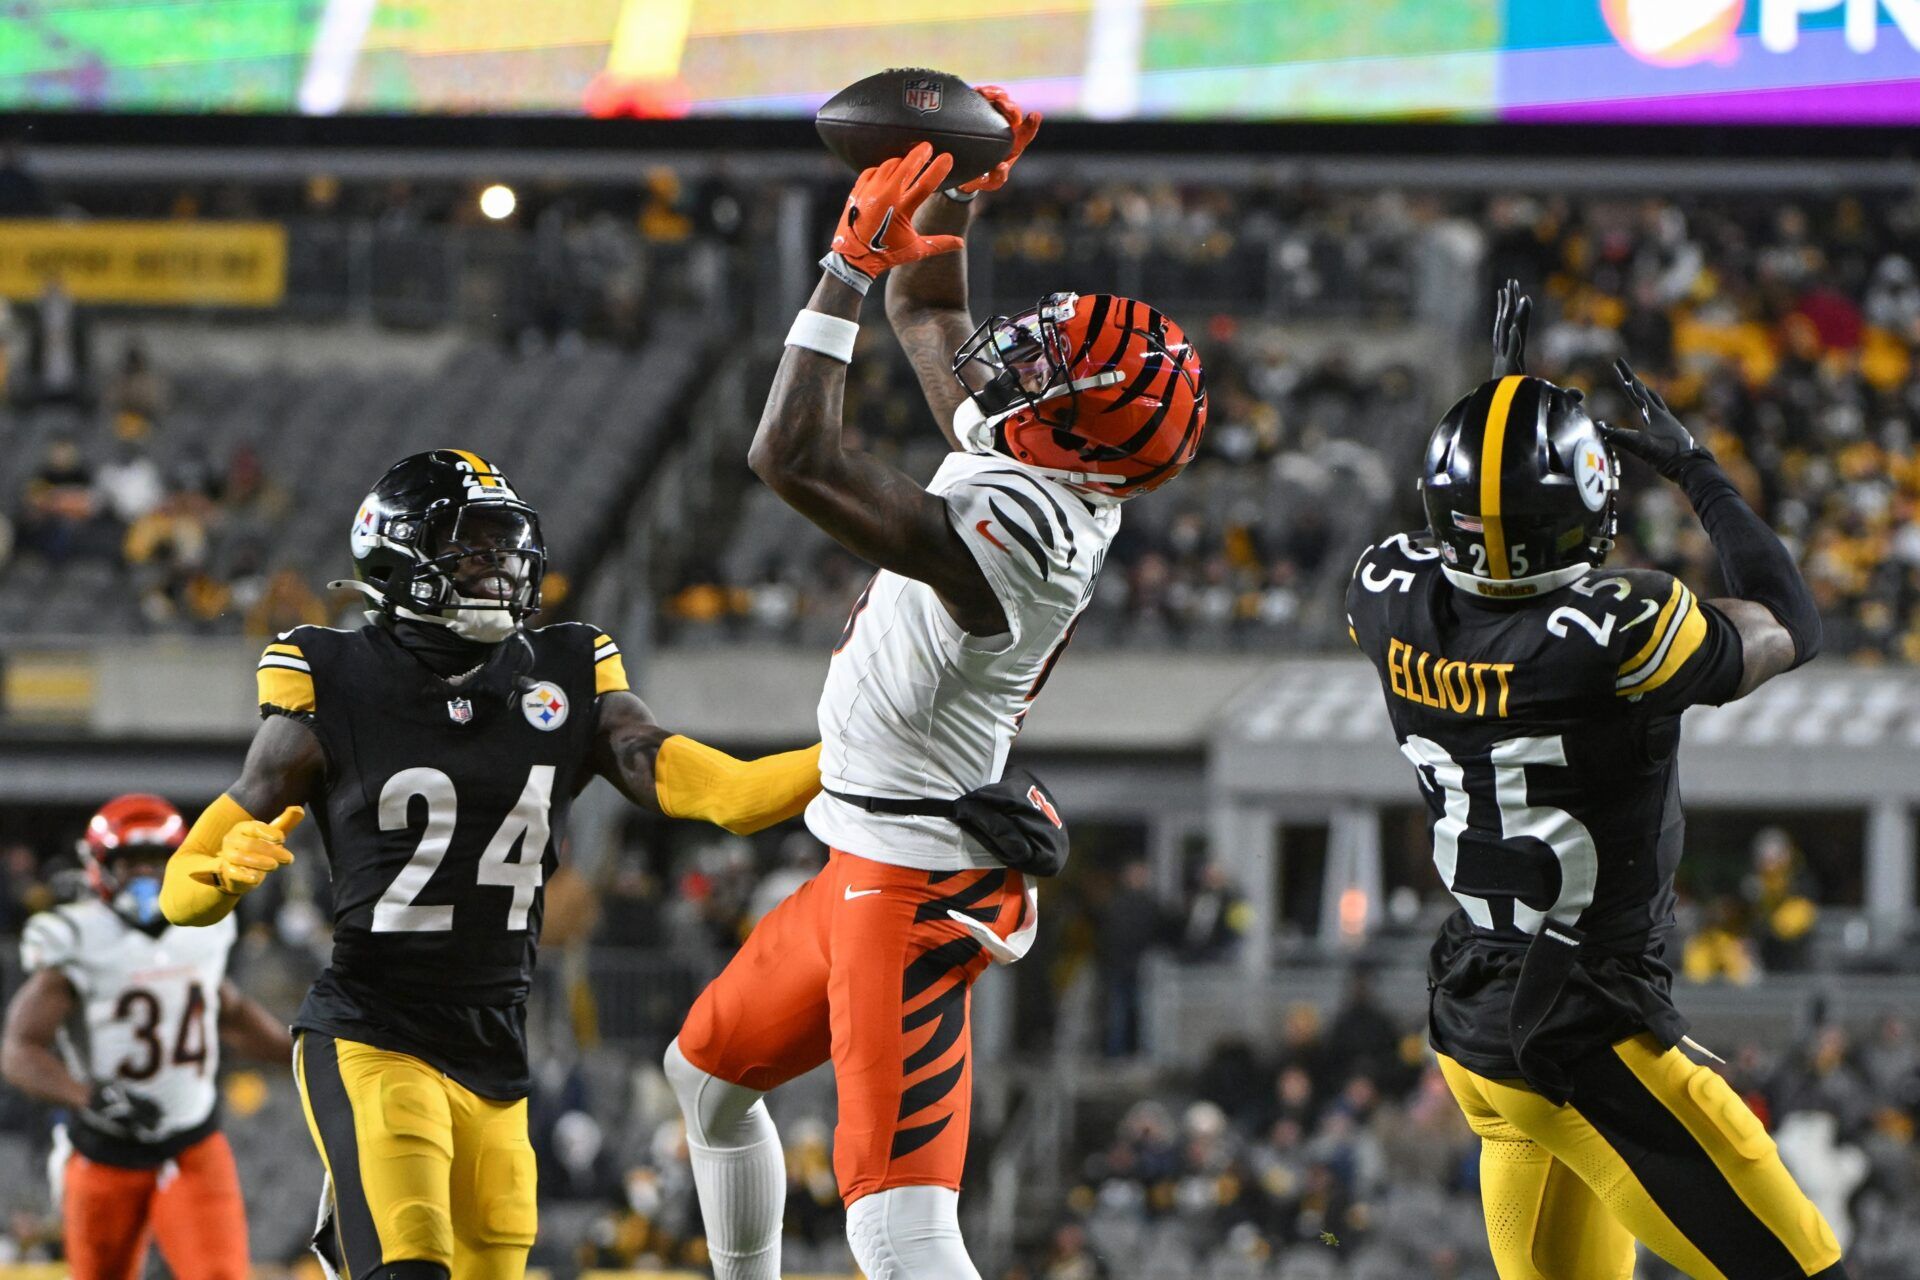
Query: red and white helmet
134	822
1099	391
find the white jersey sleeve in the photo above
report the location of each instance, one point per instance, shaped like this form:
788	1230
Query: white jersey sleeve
51	940
1020	531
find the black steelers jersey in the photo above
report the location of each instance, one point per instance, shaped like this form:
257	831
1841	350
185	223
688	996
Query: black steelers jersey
442	809
1544	737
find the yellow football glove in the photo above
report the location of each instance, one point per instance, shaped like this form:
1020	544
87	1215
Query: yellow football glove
252	849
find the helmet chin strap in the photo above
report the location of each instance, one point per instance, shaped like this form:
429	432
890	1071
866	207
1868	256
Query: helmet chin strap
1516	588
475	620
976	431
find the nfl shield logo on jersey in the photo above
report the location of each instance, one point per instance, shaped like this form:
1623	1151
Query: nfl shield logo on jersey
544	706
923	96
460	710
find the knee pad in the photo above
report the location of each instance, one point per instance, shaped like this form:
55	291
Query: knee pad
417	1227
412	1271
909	1233
719	1113
508	1207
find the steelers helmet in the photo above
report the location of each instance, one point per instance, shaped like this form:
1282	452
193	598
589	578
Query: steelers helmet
1519	489
444	539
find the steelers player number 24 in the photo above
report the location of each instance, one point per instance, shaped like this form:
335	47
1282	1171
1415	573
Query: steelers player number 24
525	827
1502	779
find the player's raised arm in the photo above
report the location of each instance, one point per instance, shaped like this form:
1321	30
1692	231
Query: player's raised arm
671	774
927	300
1771	607
233	845
872	509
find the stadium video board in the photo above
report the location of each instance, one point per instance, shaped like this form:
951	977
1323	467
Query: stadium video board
1588	61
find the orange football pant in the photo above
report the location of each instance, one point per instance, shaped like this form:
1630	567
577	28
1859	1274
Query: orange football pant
863	965
191	1204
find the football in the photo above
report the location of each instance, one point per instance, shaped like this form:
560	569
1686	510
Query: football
888	114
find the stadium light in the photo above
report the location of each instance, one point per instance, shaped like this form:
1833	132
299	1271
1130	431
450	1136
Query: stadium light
498	201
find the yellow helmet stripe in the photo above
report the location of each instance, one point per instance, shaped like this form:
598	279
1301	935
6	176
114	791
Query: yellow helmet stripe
1491	446
483	470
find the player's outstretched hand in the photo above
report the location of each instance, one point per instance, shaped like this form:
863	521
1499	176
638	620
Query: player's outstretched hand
1512	311
1664	443
251	849
876	227
122	1108
1024	125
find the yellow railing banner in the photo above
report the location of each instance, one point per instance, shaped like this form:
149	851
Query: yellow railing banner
218	264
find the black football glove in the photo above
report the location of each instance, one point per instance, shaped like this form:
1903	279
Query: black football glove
118	1107
1665	444
1512	310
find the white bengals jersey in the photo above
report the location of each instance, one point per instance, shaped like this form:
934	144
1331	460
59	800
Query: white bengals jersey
914	707
149	1006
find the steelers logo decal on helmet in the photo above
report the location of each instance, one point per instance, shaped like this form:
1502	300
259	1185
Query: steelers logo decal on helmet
365	532
1593	474
544	706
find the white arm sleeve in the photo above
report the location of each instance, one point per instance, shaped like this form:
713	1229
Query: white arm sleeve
50	941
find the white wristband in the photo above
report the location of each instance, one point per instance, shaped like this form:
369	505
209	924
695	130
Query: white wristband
831	336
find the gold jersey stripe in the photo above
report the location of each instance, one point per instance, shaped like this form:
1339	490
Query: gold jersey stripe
285	688
610	675
1660	625
1492	448
1693	630
603	640
291	650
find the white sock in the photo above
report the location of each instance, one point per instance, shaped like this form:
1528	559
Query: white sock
739	1170
909	1233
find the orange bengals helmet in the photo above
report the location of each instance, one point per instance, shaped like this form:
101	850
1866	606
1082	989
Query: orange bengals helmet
139	825
1099	391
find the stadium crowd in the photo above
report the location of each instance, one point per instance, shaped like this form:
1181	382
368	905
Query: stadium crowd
1786	330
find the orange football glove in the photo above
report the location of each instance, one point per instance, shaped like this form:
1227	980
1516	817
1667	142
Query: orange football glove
876	228
1025	124
252	849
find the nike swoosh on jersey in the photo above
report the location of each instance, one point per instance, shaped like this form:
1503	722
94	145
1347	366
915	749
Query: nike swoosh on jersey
853	893
982	527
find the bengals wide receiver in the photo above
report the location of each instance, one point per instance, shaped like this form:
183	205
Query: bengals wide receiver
120	1023
1538	696
441	747
1058	416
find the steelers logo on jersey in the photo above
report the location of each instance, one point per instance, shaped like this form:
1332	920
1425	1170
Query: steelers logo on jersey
1592	473
544	706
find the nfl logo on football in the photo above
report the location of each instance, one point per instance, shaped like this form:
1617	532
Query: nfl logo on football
459	710
923	95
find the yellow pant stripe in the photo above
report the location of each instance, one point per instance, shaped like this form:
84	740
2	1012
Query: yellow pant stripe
1498	1112
1739	1146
